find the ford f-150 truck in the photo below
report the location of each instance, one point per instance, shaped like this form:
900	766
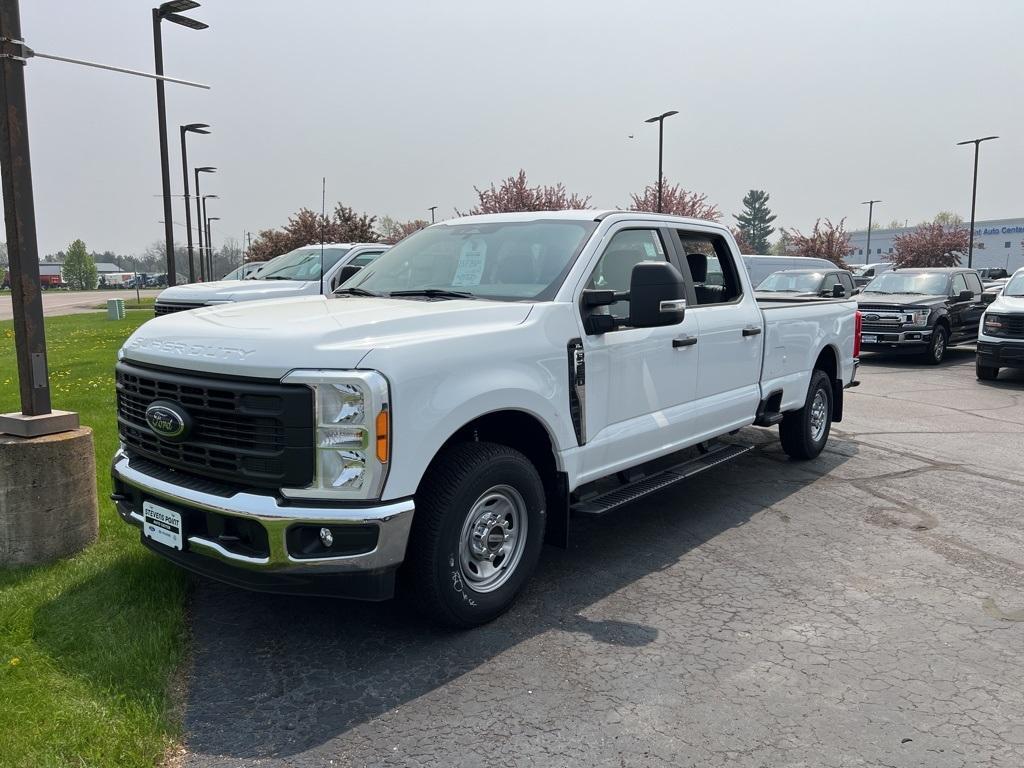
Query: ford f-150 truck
444	413
296	273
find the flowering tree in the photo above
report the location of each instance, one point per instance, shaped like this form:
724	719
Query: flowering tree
307	227
741	240
931	245
391	230
515	194
676	201
824	242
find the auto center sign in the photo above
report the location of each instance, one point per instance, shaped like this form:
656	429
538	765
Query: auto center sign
1017	230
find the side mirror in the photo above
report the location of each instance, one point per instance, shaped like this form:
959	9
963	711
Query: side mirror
657	295
965	296
988	298
344	274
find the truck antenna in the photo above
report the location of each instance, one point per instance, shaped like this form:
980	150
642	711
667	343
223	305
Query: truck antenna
323	219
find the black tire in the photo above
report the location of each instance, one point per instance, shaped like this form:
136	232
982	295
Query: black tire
938	345
798	435
460	478
986	372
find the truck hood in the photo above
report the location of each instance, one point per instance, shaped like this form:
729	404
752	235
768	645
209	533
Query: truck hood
1007	304
238	290
899	300
266	339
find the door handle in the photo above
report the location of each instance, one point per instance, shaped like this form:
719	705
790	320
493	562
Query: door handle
684	341
752	330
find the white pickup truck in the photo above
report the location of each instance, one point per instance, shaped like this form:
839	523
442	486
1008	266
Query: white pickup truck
445	412
296	273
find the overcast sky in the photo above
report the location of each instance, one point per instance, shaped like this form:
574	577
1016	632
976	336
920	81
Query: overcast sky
404	105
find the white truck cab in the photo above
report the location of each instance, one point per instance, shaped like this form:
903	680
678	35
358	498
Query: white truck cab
296	273
448	408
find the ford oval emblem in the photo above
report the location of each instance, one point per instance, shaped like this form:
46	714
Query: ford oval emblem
871	318
167	419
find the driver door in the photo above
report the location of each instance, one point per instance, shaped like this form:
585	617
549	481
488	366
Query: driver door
641	383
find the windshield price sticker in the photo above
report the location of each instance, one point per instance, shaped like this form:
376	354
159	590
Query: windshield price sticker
470	269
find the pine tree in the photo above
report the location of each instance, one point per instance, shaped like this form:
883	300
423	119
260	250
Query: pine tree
756	220
79	268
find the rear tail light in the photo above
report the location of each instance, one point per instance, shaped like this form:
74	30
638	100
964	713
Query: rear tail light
858	323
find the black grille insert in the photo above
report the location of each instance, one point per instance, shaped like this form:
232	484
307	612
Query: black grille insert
244	432
164	308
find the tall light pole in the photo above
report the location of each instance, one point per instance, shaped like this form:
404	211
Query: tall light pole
199	219
209	239
171	11
190	128
871	209
974	192
432	209
660	120
208	263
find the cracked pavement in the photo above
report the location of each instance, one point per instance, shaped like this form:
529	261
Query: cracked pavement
863	609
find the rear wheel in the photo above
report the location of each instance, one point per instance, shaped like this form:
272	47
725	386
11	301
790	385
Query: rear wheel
477	533
804	433
936	351
986	372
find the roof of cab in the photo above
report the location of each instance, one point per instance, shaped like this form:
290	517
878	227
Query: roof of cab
577	215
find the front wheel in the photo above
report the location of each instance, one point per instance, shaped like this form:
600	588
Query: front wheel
804	433
986	372
477	533
936	351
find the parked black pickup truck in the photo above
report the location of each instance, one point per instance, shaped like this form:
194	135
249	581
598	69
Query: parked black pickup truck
921	310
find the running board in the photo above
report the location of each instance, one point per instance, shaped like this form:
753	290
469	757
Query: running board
631	492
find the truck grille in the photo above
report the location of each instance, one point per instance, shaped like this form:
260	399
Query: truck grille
1013	327
244	432
167	308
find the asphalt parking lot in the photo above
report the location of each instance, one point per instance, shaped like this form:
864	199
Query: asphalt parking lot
866	608
74	302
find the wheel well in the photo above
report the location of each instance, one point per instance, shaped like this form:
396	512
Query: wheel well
526	434
943	320
828	362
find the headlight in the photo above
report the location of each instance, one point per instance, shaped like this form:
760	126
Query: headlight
353	433
993	324
917	317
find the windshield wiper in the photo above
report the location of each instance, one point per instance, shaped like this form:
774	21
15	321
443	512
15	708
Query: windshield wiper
434	293
274	277
354	292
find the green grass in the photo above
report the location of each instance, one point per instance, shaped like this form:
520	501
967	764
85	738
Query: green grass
130	302
88	645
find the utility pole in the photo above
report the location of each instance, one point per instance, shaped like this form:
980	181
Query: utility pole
974	192
871	209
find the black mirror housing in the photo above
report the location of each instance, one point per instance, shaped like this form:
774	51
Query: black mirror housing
657	295
965	296
344	274
838	292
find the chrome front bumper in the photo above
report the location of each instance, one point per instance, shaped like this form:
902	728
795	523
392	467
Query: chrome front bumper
393	520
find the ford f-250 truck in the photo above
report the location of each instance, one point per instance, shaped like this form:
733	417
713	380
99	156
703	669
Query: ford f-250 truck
448	409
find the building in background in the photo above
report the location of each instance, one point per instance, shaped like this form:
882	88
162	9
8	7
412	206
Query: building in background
997	243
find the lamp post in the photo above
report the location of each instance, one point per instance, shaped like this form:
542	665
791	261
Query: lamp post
199	219
171	11
209	239
190	128
208	264
432	209
974	191
871	209
660	120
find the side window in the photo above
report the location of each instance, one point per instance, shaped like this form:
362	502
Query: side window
830	280
627	248
959	284
974	284
712	270
847	281
365	258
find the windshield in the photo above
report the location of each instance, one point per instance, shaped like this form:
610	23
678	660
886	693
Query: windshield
507	261
1016	286
792	282
300	264
235	274
924	283
860	271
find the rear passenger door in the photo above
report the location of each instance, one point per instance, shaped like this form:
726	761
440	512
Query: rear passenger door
729	328
973	313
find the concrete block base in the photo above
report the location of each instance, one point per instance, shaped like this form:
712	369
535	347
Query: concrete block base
48	504
35	426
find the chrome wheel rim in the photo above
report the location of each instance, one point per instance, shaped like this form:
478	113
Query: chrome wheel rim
493	538
940	345
819	416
